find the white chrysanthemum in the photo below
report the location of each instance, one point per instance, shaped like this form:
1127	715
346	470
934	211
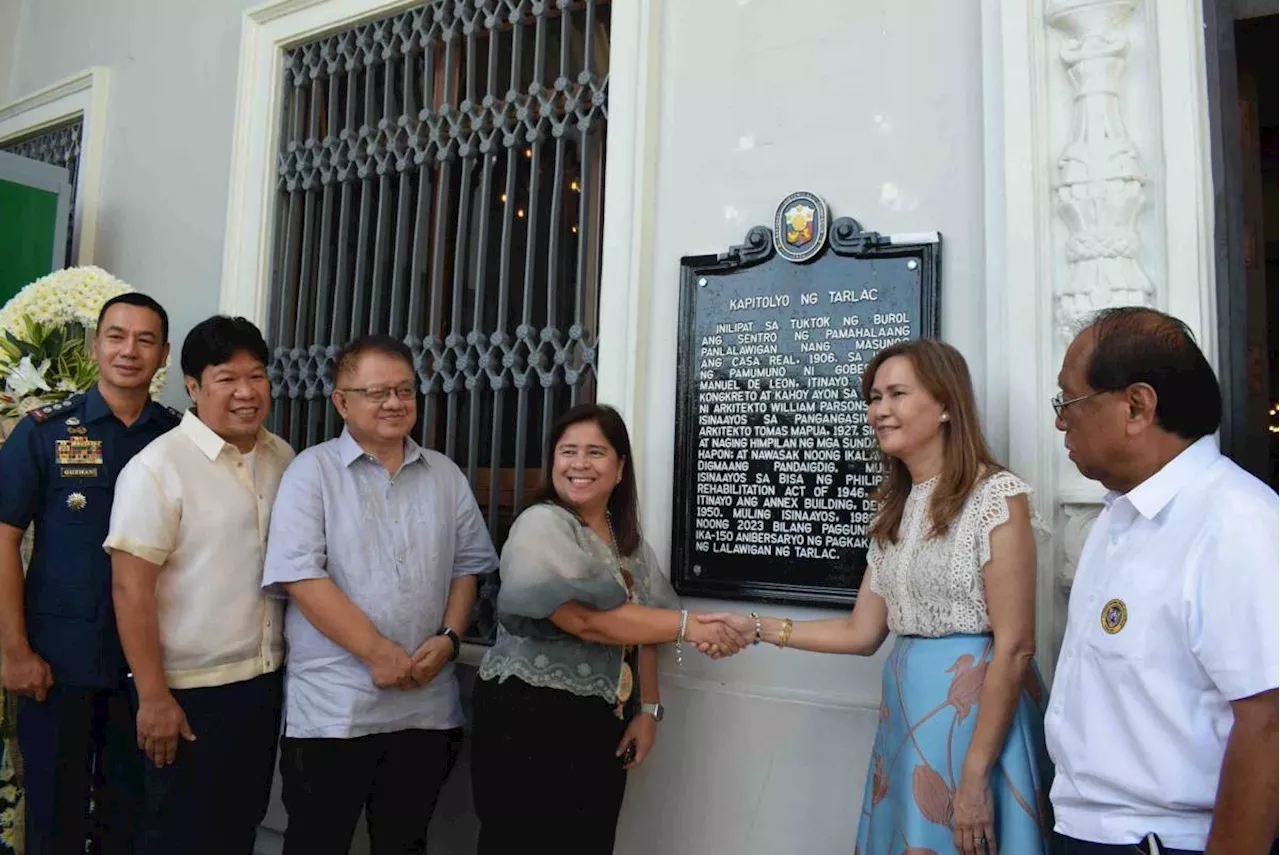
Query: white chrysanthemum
64	296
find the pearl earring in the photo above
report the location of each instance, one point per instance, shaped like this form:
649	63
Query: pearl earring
945	417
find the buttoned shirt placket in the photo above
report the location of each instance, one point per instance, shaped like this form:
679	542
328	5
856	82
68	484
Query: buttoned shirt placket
269	607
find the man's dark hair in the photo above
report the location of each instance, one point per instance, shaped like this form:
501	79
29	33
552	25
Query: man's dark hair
133	298
351	352
1133	344
216	340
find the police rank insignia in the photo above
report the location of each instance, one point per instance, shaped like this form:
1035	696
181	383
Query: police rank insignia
76	501
1114	616
800	226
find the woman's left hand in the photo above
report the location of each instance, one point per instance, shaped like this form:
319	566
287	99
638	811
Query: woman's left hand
641	732
975	816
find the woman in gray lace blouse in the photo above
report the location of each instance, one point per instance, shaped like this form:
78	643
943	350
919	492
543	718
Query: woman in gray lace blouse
558	717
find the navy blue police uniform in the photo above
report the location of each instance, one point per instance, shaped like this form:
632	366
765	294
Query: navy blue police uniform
58	470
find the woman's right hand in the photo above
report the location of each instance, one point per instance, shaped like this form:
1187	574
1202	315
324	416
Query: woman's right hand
719	635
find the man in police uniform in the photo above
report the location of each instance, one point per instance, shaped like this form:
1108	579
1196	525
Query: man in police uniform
1162	722
59	649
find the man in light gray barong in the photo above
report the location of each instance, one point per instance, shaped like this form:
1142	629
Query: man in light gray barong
377	542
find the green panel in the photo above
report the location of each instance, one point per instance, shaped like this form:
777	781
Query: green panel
28	226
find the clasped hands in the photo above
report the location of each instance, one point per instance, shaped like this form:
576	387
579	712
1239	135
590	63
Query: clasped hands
393	667
719	634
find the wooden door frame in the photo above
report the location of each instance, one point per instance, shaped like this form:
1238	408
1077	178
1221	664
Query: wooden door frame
1228	233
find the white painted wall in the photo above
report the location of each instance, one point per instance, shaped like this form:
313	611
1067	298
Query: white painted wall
10	20
877	107
168	139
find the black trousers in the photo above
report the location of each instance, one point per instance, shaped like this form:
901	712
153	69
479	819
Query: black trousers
1072	846
78	745
395	777
214	796
544	772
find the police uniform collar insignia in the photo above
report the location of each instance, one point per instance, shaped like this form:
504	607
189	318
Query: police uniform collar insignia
42	414
76	501
1114	616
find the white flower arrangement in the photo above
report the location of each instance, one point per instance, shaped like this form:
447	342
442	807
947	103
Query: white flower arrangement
45	331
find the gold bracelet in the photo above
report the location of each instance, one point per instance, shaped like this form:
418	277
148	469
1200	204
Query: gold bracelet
784	634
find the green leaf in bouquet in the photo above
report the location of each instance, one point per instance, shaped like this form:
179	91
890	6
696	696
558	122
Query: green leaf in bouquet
9	348
53	341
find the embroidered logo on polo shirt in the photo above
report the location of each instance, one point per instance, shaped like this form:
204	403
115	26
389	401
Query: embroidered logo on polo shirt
1114	616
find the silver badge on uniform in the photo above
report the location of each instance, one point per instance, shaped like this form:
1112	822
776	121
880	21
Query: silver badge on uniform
76	501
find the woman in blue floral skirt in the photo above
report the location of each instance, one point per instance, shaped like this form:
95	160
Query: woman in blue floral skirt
959	763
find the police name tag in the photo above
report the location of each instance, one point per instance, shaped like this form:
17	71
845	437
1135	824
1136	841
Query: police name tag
79	471
79	451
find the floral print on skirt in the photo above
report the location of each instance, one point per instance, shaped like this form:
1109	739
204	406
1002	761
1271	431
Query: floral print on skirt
931	689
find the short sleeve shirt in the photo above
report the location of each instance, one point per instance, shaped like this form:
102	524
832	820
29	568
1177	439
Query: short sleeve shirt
393	543
190	504
1173	615
58	471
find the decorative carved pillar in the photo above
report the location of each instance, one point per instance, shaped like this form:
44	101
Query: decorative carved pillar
1099	195
1100	190
1077	519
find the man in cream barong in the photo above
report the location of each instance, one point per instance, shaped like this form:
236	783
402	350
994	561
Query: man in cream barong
377	543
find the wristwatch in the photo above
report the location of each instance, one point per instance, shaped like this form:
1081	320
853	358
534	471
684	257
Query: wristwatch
655	710
452	636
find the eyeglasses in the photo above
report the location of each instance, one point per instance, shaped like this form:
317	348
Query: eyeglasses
1059	405
381	394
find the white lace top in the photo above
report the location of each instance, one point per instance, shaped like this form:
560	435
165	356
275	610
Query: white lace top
934	586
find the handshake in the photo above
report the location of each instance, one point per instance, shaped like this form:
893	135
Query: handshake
719	634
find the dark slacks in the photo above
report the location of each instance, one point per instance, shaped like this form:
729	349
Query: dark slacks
394	777
1071	846
544	772
79	745
214	796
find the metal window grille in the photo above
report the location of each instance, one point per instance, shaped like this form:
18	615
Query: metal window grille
59	146
441	179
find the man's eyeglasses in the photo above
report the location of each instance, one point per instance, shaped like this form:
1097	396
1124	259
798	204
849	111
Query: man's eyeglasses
381	394
1059	405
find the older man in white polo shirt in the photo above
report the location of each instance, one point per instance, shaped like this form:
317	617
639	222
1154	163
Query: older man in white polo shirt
1162	722
187	540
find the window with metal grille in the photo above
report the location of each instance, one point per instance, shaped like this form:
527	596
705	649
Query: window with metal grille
58	145
441	179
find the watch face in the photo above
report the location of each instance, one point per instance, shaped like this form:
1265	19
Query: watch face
658	712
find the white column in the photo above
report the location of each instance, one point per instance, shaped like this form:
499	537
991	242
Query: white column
1099	194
